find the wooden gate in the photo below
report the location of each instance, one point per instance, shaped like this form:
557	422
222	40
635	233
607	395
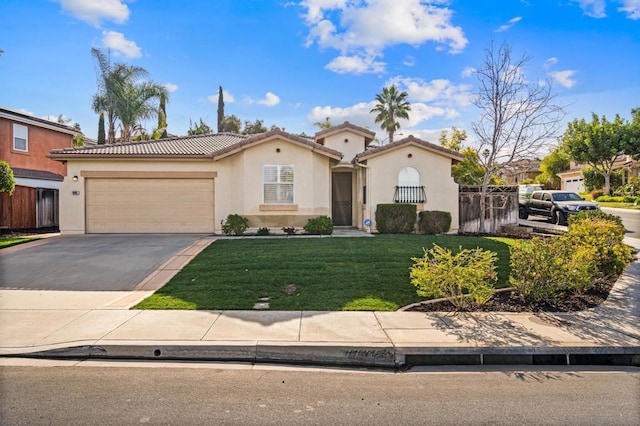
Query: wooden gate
501	209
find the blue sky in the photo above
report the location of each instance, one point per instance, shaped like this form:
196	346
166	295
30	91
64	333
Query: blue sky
293	63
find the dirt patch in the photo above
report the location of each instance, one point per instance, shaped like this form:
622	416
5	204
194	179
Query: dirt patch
511	302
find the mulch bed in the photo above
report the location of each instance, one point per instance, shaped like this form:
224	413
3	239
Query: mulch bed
510	302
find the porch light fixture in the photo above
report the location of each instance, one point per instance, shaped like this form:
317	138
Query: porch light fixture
75	178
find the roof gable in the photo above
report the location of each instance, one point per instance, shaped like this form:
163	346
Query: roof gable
20	117
366	133
410	140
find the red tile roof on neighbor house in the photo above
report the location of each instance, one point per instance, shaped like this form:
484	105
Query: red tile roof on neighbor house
24	118
215	145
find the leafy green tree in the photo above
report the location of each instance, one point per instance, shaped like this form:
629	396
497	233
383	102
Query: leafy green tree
470	171
458	137
391	105
221	110
253	128
200	128
557	161
632	147
323	125
7	180
230	124
78	140
599	143
101	135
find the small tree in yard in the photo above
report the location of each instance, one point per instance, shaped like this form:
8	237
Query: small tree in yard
7	180
461	278
517	117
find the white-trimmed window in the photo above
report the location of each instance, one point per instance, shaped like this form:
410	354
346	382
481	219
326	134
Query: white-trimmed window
278	184
20	137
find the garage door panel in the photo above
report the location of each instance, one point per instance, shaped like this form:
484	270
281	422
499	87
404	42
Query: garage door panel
149	205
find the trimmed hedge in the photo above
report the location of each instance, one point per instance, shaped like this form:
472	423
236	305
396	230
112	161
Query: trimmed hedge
396	218
321	225
434	222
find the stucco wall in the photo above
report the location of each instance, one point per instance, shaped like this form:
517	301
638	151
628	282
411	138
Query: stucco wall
435	176
354	144
40	142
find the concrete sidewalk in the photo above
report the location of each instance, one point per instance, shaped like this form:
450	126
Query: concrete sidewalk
99	325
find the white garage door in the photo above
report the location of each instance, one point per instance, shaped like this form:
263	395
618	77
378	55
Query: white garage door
134	205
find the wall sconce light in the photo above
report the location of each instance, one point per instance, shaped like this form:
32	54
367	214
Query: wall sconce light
346	141
410	155
75	178
277	149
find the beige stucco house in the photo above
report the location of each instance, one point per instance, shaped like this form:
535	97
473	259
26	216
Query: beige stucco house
190	184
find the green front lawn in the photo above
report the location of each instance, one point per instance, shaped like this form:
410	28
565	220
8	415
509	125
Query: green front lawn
328	274
12	241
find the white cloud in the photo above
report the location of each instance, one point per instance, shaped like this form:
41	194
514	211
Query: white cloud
116	41
467	72
361	30
631	8
509	24
226	96
564	78
550	62
438	91
95	11
593	8
355	65
409	61
270	99
171	87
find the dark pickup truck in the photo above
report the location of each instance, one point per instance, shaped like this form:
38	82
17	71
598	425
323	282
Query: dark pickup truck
557	205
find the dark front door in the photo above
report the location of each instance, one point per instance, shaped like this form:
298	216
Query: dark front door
342	199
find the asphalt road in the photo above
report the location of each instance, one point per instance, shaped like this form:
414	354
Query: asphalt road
89	262
630	219
191	394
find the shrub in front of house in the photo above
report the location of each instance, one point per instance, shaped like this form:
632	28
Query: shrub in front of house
434	222
544	270
235	225
574	219
463	277
321	225
606	237
396	218
263	231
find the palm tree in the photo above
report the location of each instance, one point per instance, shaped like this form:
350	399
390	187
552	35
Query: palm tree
391	106
135	103
114	86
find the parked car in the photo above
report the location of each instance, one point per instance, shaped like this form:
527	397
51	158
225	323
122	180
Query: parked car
556	205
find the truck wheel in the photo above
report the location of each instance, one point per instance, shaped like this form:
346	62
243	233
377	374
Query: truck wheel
558	217
523	213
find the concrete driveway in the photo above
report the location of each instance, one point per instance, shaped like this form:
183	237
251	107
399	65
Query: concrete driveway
89	262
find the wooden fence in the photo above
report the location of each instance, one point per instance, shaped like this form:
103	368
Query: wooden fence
29	208
501	209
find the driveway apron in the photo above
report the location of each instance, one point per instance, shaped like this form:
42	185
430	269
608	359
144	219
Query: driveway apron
90	262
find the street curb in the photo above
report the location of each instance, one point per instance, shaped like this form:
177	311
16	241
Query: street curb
335	354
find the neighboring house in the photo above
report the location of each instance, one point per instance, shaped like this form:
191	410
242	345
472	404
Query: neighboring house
25	142
516	172
275	179
572	179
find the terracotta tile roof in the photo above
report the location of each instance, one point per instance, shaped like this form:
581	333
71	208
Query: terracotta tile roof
203	146
454	155
344	126
272	134
36	174
185	146
21	117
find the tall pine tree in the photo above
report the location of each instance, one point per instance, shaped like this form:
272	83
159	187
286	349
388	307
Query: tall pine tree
101	135
220	110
